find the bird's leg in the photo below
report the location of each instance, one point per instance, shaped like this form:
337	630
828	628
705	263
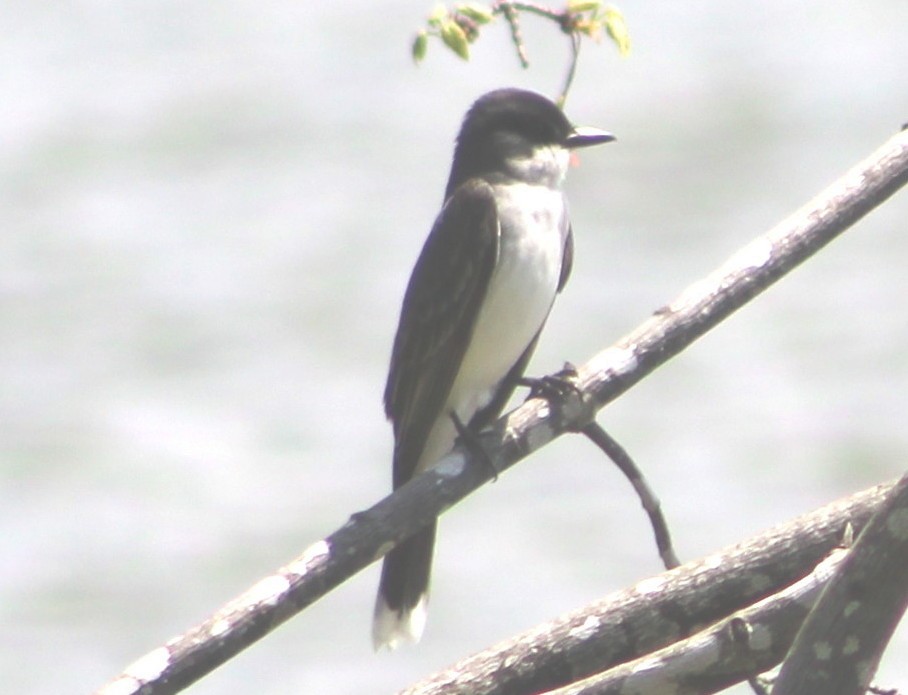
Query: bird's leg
470	440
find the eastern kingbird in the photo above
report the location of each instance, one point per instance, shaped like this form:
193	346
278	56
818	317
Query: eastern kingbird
498	253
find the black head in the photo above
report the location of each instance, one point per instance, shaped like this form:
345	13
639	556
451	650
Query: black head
512	123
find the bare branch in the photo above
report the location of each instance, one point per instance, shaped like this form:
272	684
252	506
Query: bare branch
659	611
840	645
747	273
749	642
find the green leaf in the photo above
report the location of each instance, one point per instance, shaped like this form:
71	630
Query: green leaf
420	44
578	6
617	29
478	13
455	39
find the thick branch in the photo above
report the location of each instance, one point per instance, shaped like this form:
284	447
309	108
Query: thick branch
840	646
748	272
751	641
369	535
659	611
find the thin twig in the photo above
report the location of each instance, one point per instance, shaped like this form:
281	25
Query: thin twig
569	79
565	20
511	16
532	8
648	499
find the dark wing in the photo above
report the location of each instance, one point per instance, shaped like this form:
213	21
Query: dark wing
439	313
567	260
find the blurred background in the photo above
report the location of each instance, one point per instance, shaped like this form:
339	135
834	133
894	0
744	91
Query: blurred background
209	213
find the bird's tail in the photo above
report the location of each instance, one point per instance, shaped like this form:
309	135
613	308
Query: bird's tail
403	593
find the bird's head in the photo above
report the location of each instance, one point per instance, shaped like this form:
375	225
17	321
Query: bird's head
516	134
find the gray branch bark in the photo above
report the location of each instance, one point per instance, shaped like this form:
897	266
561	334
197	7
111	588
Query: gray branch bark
839	647
745	590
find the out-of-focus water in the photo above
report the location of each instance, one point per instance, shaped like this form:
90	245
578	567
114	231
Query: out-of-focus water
207	218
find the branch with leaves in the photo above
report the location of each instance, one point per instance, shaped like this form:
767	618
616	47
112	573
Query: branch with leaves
460	26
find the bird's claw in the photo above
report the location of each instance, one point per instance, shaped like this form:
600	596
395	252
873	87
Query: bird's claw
551	386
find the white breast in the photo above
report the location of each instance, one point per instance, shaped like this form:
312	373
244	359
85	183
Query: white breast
520	295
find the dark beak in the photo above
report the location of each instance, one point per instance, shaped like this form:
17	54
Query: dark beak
584	136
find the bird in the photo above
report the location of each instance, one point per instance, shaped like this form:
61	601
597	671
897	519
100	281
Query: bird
497	255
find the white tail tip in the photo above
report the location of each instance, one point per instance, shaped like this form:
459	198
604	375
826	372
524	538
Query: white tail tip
391	628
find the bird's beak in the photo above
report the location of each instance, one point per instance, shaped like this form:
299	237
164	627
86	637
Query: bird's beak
584	136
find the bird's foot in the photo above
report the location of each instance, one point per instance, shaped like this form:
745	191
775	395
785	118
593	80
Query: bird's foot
552	386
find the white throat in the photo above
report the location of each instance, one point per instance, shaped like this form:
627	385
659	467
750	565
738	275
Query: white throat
546	166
